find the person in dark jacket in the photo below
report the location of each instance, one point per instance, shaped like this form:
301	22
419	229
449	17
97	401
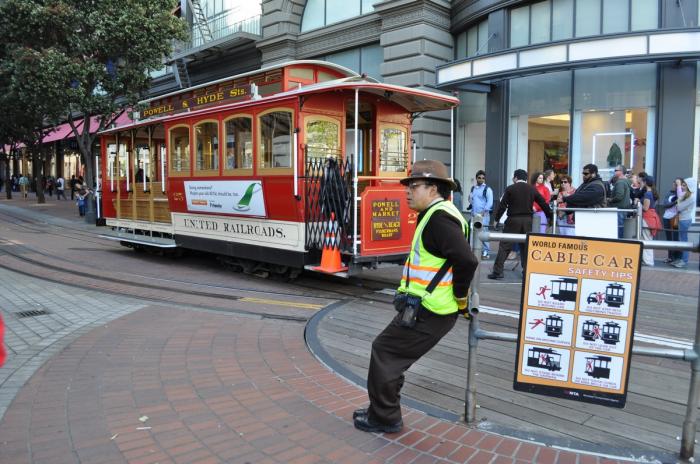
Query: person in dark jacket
620	198
590	194
517	200
440	240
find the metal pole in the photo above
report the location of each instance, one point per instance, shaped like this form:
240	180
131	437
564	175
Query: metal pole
162	169
554	219
452	143
691	411
639	220
473	340
354	177
98	185
296	165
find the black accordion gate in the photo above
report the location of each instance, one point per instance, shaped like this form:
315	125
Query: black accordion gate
329	207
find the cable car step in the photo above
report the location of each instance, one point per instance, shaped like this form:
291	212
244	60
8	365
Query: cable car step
120	236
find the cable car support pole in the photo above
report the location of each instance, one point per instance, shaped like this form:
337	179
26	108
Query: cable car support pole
354	176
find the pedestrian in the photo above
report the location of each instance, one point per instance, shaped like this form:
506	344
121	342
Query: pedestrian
81	201
481	202
60	188
549	176
590	194
23	185
565	221
50	184
670	219
72	184
440	242
620	198
651	222
517	201
637	189
686	210
537	181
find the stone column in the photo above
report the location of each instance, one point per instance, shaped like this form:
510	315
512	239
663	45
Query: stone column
281	23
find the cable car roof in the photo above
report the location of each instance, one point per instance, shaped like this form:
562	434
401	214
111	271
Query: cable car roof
412	100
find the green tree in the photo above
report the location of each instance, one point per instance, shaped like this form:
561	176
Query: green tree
91	58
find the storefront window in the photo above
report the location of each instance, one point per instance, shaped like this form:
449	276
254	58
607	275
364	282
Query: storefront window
276	140
540	123
614	118
239	143
393	155
319	13
180	150
562	19
473	41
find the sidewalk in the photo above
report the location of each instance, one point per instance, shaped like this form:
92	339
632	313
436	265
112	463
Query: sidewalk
153	384
136	382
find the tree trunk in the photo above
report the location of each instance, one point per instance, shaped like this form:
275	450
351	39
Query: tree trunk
90	213
8	180
36	160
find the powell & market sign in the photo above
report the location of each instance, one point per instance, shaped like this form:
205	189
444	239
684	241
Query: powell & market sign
224	94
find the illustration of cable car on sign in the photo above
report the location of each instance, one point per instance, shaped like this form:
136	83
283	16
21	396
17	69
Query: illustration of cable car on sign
590	330
611	333
564	289
544	358
553	326
598	366
615	295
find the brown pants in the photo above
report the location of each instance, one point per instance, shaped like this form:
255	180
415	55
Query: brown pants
393	352
514	225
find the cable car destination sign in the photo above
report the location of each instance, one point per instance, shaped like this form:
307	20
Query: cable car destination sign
577	318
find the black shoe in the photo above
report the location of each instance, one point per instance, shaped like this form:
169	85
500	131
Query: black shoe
359	413
494	276
366	425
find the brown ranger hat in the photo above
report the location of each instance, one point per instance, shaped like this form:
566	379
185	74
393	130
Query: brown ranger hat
431	170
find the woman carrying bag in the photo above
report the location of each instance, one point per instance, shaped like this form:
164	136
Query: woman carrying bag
651	223
686	209
670	219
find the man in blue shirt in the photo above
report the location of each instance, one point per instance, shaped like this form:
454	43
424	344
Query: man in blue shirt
481	202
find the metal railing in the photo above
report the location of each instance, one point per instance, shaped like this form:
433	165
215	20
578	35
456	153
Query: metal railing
476	334
220	27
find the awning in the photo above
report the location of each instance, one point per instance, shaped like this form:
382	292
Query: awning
64	131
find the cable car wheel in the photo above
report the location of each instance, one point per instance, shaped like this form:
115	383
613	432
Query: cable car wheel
264	270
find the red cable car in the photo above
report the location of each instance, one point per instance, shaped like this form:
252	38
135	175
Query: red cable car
272	170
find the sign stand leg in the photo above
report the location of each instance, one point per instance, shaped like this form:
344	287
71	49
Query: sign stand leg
691	412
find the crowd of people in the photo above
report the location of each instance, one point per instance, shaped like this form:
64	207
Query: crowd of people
520	205
77	187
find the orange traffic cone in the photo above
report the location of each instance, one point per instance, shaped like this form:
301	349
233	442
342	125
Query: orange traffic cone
330	258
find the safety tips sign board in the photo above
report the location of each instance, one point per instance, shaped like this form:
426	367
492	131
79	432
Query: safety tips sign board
577	318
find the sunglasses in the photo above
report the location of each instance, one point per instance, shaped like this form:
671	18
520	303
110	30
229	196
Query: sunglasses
586	173
565	182
481	177
415	185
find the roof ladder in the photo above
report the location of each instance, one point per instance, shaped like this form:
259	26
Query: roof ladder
182	77
201	20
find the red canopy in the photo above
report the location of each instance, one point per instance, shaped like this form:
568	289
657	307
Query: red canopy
63	131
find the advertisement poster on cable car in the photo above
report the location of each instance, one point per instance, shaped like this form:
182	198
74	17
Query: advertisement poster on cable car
578	308
244	197
549	327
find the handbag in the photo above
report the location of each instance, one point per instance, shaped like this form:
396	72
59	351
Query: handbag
410	305
674	221
653	221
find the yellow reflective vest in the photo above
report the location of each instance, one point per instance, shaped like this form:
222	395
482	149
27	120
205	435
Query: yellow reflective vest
421	266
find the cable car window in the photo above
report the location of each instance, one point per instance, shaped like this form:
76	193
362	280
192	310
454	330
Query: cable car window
275	140
180	150
393	156
117	166
207	144
239	143
322	138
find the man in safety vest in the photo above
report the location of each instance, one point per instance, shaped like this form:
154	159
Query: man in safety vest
433	289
